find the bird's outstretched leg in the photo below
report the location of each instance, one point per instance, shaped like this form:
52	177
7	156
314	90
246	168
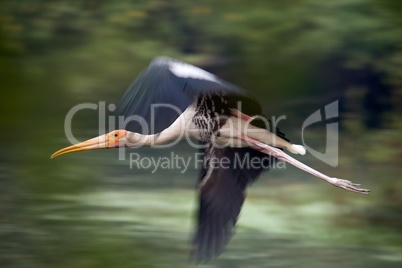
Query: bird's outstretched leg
263	135
275	152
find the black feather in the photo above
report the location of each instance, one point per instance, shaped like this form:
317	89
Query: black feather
222	193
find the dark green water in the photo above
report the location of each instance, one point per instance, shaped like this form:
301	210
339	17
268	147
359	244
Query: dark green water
88	210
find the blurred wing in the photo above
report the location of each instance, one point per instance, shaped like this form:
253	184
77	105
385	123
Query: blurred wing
222	193
163	91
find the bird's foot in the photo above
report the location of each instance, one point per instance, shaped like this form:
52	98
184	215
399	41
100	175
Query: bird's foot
349	186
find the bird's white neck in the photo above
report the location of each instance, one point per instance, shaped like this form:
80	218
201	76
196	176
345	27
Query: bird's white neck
161	138
175	131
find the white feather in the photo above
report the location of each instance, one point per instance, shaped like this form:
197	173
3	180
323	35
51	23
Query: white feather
189	71
297	149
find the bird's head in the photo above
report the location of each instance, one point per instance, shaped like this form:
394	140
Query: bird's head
114	139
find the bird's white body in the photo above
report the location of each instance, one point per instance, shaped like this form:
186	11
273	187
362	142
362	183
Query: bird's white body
236	127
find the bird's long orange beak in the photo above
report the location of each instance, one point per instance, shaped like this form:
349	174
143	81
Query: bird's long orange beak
109	140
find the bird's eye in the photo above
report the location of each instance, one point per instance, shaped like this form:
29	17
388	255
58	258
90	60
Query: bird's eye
116	135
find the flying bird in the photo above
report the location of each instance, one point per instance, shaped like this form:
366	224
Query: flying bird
172	100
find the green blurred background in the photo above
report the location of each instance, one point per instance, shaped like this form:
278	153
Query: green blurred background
91	210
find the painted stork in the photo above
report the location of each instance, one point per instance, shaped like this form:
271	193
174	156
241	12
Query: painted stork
211	114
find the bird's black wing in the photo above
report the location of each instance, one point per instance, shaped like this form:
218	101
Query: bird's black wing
222	193
163	91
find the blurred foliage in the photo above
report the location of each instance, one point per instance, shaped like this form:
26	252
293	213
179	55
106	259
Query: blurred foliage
323	45
294	55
